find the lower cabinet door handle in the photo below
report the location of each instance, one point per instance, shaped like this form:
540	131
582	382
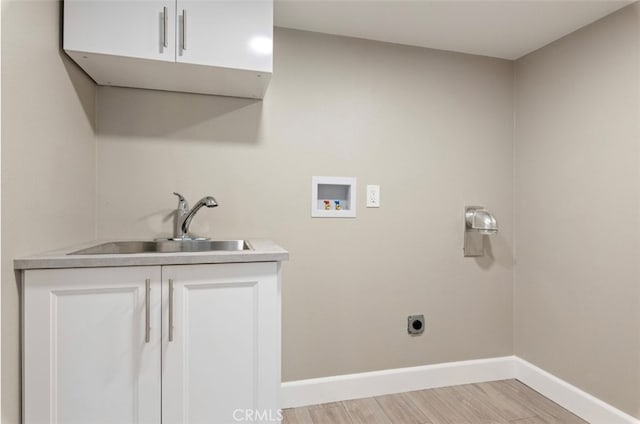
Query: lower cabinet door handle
147	312
170	310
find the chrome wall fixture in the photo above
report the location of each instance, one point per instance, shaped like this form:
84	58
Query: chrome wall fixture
479	222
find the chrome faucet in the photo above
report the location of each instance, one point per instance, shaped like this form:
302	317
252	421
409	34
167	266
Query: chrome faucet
184	216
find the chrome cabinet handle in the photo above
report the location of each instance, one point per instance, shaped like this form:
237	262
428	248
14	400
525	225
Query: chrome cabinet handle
165	28
170	310
147	301
184	29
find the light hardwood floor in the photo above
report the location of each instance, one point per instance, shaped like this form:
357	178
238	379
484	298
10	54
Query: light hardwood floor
496	402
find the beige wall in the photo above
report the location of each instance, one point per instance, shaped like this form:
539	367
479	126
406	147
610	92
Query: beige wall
434	129
48	159
577	209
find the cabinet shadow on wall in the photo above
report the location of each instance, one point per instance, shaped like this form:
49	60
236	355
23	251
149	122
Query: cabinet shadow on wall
153	114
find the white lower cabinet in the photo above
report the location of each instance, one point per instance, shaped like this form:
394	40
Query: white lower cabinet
184	344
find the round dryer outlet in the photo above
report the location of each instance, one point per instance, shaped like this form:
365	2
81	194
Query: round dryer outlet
415	324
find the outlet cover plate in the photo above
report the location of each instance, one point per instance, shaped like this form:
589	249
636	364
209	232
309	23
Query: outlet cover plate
415	324
373	196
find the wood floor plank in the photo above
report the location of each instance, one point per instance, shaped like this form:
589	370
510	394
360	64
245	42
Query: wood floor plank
330	415
366	411
547	410
325	405
436	409
504	405
560	414
296	416
529	420
470	406
399	409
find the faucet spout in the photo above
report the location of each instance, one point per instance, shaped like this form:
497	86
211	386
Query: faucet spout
184	215
207	201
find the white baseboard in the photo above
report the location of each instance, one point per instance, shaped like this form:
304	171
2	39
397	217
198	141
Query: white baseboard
377	383
570	397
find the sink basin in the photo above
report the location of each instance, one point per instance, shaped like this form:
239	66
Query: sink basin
163	246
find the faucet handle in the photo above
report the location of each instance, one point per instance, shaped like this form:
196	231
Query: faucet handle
183	206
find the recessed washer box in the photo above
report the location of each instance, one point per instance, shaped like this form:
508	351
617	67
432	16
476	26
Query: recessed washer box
333	197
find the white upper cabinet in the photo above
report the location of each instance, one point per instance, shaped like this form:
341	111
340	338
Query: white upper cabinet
199	46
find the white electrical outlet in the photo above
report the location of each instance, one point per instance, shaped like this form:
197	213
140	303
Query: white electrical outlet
373	196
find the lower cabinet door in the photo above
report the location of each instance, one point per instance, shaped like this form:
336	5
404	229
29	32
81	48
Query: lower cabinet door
221	347
91	346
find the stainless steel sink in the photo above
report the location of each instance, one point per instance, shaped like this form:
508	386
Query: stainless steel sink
164	246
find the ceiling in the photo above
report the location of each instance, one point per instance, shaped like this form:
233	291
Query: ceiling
507	29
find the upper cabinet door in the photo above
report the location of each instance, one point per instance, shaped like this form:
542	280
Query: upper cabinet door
140	29
236	34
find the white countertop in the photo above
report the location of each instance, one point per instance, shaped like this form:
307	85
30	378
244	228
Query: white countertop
262	251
